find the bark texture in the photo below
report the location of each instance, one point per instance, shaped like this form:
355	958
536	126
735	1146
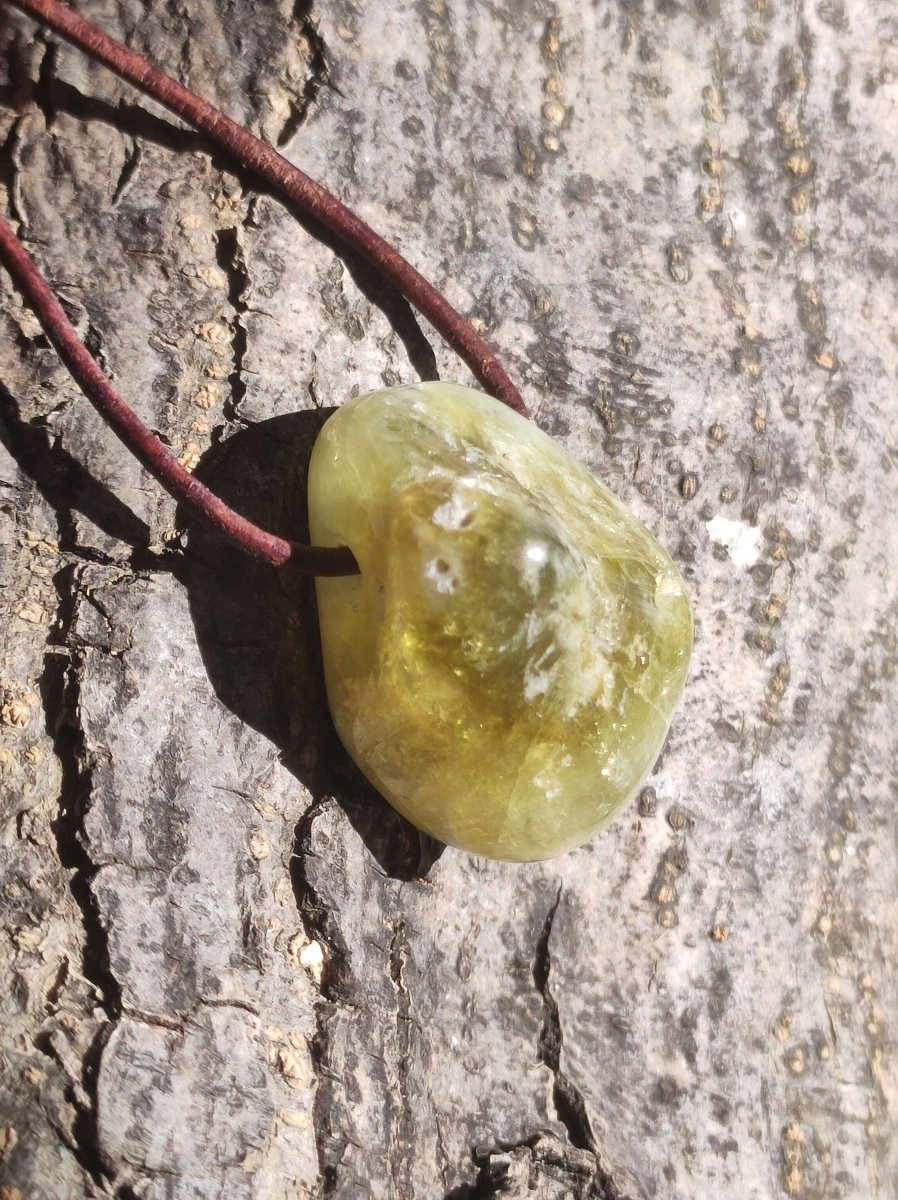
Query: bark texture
226	968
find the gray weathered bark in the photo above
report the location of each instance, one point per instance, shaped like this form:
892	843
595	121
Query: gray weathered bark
227	969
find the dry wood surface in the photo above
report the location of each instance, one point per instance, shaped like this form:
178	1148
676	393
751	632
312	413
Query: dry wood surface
227	969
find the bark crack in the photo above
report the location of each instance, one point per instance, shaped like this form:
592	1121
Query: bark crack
401	1126
490	1181
60	692
317	919
67	487
81	1136
319	71
133	155
569	1101
21	91
319	924
9	170
128	119
45	84
232	260
515	1167
570	1106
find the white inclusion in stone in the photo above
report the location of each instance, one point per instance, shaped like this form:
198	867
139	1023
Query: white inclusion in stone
454	514
533	627
545	785
536	683
441	576
539	675
742	541
548	780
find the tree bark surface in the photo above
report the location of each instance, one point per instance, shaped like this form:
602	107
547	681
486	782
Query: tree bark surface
227	969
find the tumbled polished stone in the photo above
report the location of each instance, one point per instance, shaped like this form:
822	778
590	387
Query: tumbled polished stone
505	667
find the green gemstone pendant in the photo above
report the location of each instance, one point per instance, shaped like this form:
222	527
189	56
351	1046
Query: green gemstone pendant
505	668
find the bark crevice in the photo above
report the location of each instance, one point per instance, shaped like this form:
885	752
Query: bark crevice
232	260
319	71
569	1101
60	694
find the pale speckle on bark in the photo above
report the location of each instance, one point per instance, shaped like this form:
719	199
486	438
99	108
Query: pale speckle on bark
227	969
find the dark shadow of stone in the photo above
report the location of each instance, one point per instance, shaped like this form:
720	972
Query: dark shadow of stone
62	481
134	121
257	630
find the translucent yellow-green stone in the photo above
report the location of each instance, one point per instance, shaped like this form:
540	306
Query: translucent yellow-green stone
505	667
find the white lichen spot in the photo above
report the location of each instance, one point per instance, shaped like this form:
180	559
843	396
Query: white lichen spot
258	845
213	332
555	112
737	219
27	939
8	1139
311	957
32	613
743	542
16	707
295	1067
206	396
212	277
795	1061
191	456
295	1119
